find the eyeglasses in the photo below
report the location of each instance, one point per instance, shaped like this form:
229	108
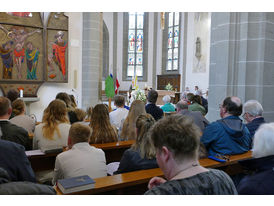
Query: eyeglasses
244	115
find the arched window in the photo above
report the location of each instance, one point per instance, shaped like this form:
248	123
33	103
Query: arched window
135	46
171	39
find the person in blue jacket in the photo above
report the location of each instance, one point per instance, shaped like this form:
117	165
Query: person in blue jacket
228	135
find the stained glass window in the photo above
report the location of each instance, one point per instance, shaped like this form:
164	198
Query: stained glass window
135	44
173	41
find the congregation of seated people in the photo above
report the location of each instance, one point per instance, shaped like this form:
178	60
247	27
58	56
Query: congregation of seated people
173	143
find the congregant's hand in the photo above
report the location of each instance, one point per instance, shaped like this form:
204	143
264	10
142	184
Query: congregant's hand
155	181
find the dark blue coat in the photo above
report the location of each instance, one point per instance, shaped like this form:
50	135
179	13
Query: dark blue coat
132	161
22	188
14	160
227	136
254	125
155	111
261	182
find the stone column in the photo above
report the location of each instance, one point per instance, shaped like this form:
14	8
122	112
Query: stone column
92	58
242	60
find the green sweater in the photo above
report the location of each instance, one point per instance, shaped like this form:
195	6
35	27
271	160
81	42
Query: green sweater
197	107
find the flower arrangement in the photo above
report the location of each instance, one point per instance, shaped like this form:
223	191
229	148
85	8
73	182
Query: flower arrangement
138	94
169	87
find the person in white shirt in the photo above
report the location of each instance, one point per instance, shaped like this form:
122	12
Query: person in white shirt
21	119
118	116
81	158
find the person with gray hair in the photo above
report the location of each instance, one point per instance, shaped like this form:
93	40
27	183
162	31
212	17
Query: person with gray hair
198	118
261	182
252	113
167	107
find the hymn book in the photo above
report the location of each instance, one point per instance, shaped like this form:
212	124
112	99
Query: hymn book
75	184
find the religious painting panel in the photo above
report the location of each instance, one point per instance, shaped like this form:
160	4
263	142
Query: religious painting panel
22	18
21	52
57	48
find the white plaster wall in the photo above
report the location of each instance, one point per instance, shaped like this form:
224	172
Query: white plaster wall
203	31
48	91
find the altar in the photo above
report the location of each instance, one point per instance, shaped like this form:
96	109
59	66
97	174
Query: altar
162	93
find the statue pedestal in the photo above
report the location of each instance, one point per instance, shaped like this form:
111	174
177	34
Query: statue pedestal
28	101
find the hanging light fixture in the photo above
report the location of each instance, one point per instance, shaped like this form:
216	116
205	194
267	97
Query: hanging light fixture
162	20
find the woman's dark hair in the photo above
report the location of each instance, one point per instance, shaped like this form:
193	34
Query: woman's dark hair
190	96
197	99
64	97
18	106
152	96
179	134
231	107
12	95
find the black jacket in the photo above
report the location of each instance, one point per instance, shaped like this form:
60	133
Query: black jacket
254	125
14	160
132	161
13	133
155	111
22	188
261	181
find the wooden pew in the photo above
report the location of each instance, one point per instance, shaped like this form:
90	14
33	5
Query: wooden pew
113	152
43	162
136	182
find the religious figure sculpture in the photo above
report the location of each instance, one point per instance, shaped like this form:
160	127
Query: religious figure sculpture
198	48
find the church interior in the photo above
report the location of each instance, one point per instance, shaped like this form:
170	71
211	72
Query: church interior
125	62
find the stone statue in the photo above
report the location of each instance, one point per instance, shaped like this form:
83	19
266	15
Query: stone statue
198	48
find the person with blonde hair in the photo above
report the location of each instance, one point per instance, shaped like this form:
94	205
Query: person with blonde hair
129	126
102	130
52	133
141	155
81	158
167	107
261	178
20	119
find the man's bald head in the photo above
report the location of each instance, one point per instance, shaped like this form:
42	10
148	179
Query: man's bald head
233	105
5	106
